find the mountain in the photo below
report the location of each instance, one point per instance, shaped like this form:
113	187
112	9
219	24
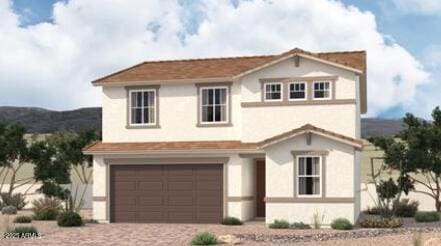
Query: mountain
38	120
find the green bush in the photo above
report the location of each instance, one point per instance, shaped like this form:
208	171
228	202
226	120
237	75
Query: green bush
231	221
24	231
46	208
9	210
300	225
17	200
279	224
381	222
22	219
341	224
404	208
69	219
431	216
204	238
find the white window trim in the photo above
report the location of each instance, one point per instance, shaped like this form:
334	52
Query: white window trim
273	83
130	107
227	100
322	98
298	99
298	175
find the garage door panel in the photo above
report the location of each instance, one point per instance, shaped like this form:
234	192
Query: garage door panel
181	193
151	201
126	186
180	201
150	185
179	185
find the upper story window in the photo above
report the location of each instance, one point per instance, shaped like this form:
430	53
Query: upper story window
309	176
322	90
142	107
214	105
273	91
297	91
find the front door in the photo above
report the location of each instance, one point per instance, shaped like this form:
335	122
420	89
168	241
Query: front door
260	188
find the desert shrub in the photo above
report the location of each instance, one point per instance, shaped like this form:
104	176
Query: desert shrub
69	219
204	238
46	208
9	210
405	208
381	222
373	210
341	224
231	221
317	219
17	200
22	219
431	216
24	231
300	225
279	224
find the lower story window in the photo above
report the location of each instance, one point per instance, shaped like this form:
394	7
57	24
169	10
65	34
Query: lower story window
309	175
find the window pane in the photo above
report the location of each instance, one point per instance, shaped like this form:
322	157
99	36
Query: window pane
302	186
152	115
302	166
223	113
217	113
210	116
204	114
316	166
133	96
319	94
223	96
149	98
137	115
316	186
210	96
146	115
204	97
216	96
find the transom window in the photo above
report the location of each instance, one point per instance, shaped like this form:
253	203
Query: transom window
214	105
322	90
143	107
309	175
273	91
297	90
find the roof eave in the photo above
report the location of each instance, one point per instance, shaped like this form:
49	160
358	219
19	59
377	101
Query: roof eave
170	81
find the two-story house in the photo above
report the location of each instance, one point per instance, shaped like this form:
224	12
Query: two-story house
193	141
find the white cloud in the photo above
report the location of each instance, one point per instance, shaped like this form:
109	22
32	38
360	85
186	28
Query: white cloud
51	64
426	7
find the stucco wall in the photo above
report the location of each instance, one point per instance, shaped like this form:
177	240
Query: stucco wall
177	117
280	167
339	180
99	188
178	109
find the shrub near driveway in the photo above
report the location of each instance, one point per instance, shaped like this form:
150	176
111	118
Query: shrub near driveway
427	216
69	219
279	224
341	224
231	221
22	219
204	238
405	208
46	208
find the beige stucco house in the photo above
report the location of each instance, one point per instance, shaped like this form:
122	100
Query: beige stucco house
193	141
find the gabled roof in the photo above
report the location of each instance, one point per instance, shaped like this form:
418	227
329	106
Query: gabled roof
308	128
207	146
224	67
229	68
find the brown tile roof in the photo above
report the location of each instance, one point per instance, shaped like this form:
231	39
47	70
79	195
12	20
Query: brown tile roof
310	128
219	67
213	145
170	146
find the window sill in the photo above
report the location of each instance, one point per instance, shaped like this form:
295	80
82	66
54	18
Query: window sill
142	126
214	125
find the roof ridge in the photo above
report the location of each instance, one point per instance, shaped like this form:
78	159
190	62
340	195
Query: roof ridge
209	58
343	52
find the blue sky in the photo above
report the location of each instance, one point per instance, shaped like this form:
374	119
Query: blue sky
417	31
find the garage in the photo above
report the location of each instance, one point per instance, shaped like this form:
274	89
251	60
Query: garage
180	193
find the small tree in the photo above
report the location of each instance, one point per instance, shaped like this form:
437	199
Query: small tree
14	153
56	157
417	152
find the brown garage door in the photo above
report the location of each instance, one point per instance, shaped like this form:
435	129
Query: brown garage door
166	193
